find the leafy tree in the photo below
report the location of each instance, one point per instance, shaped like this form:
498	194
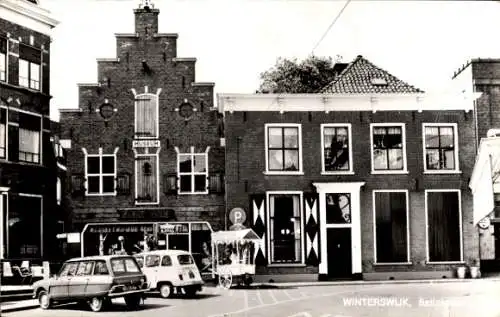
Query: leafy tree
293	76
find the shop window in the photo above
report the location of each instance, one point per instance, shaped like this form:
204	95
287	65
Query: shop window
285	228
444	226
24	220
391	227
146	178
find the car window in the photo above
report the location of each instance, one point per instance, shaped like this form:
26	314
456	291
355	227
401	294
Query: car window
140	260
152	260
69	269
166	261
185	259
101	268
124	265
85	268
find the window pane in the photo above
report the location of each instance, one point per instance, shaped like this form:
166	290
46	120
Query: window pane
444	226
328	136
93	165
395	159
23	73
432	159
185	181
291	138
2	139
200	183
2	66
446	137
199	163
35	76
431	137
275	160
394	138
449	159
185	163
108	165
338	208
93	184
380	159
29	145
152	260
391	227
275	137
378	138
285	228
108	184
291	160
166	261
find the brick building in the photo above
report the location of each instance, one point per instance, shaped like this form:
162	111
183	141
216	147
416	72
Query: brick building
144	145
367	179
30	213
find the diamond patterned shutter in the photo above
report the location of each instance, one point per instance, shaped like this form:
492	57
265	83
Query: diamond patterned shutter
311	226
259	225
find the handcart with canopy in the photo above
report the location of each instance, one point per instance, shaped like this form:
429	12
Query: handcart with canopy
233	259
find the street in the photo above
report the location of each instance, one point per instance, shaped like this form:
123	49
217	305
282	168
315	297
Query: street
478	298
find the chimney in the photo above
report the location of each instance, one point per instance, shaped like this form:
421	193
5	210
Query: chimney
146	19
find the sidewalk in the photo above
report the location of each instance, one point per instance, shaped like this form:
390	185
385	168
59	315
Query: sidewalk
6	307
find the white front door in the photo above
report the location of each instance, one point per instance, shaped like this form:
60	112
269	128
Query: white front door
340	228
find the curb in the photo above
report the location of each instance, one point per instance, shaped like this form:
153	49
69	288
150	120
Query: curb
339	283
18	308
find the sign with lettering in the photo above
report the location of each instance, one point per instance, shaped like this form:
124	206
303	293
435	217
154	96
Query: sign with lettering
174	228
121	228
237	216
146	143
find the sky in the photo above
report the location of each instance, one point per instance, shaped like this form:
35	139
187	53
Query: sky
421	42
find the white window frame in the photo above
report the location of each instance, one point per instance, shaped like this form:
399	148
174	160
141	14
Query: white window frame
460	222
350	171
5	157
404	170
456	149
408	255
192	153
29	77
4	71
283	125
137	169
100	155
156	98
58	191
268	228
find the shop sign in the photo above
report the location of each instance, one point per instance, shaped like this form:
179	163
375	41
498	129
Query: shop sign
121	228
174	228
146	143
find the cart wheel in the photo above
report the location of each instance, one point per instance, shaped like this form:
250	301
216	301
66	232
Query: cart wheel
225	279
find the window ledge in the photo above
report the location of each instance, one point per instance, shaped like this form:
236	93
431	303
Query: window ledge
196	193
146	204
338	173
393	263
282	173
444	262
442	172
31	90
390	172
94	195
286	265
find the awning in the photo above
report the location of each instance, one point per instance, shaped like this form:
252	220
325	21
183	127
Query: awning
485	179
232	236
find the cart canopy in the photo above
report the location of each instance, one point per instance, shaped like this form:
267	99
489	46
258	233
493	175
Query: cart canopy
232	236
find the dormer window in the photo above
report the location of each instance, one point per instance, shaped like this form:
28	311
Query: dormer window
377	81
146	116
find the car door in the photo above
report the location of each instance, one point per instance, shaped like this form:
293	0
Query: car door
100	281
59	286
151	265
78	283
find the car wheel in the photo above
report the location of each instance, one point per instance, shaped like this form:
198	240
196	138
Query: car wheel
44	300
96	304
133	301
166	290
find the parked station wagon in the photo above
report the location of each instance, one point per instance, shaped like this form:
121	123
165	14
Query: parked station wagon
95	280
171	270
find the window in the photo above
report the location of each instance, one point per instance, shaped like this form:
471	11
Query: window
166	261
283	148
193	173
388	147
3	59
185	259
147	190
69	269
285	228
25	234
338	208
3	134
29	67
29	138
391	226
152	260
58	191
336	144
146	116
440	147
85	268
125	265
444	226
100	172
101	268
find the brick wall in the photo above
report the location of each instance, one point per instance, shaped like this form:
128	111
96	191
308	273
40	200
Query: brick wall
176	79
245	164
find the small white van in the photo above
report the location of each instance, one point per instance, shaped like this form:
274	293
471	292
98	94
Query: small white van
170	271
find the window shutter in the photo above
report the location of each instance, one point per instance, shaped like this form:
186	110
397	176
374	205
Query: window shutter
170	184
258	223
123	184
311	228
77	187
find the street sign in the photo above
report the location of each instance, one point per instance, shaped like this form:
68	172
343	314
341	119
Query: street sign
237	216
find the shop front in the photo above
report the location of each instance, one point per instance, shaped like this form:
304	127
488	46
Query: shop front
136	237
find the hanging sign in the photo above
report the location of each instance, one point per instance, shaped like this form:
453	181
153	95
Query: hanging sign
484	223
